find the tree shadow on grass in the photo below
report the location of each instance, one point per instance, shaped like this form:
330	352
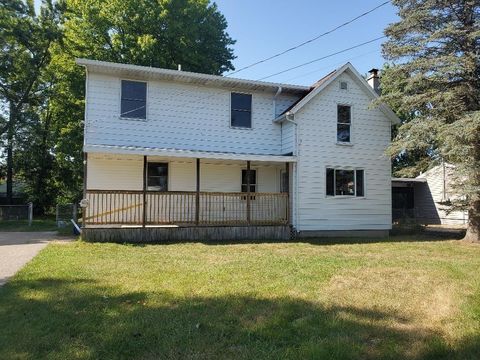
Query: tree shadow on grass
312	241
81	319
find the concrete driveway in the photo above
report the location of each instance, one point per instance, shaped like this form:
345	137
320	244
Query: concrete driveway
18	248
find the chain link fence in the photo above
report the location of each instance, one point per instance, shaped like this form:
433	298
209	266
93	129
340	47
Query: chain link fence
65	213
17	212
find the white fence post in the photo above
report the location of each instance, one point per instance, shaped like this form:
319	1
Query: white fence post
30	213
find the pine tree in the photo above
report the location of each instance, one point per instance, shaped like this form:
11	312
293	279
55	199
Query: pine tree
434	74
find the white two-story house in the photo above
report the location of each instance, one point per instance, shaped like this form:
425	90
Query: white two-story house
175	155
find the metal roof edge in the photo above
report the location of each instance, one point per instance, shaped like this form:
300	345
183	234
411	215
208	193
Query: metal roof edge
136	150
198	76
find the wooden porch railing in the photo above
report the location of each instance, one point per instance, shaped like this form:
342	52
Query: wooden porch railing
108	207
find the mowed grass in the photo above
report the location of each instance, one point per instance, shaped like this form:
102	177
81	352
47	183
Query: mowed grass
390	300
22	225
37	225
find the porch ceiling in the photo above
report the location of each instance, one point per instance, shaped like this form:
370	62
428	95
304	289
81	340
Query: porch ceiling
134	150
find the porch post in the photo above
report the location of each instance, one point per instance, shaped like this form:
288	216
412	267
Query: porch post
85	158
197	195
287	188
248	192
144	220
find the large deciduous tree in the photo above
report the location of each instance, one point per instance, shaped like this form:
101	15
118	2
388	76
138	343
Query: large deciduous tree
42	89
25	43
435	75
160	33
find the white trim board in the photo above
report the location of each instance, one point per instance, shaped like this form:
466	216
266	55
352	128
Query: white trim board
357	77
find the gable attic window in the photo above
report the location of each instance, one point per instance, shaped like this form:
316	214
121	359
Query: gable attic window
343	182
343	85
241	110
133	100
344	123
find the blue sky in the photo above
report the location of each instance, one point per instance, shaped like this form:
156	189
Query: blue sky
265	27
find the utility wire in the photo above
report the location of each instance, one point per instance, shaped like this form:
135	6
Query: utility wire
323	57
338	64
311	40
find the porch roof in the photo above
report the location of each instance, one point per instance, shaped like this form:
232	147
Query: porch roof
148	151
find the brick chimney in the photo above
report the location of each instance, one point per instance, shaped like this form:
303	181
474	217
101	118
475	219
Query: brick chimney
374	80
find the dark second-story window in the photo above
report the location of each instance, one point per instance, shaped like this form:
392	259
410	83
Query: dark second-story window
241	106
344	123
134	100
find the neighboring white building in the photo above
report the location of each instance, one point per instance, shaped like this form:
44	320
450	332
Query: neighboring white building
188	150
425	197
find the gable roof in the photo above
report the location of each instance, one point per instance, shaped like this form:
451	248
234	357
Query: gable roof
327	80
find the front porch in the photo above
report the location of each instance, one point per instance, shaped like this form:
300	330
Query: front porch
114	208
168	198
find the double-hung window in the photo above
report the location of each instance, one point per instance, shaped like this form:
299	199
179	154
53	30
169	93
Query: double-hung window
253	181
344	123
133	100
241	110
345	182
157	176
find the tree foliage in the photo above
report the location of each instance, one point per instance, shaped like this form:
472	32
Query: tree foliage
49	139
434	77
25	39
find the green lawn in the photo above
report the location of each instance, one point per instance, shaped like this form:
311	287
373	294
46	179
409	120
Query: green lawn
392	300
37	225
22	225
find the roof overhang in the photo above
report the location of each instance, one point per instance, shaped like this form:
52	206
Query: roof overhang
409	180
176	153
152	73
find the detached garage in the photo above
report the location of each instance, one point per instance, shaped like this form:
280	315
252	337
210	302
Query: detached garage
423	198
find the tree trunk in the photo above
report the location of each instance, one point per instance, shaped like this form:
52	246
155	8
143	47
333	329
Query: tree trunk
473	230
10	127
44	168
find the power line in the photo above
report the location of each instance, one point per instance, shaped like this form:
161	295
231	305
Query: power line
323	57
311	40
338	64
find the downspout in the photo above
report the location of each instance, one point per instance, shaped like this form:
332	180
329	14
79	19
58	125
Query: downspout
291	119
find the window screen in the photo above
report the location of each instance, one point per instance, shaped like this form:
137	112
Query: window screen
343	123
340	182
241	106
344	182
134	100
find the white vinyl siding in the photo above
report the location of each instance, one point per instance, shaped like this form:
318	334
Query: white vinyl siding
181	116
288	137
430	195
122	172
317	129
114	172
